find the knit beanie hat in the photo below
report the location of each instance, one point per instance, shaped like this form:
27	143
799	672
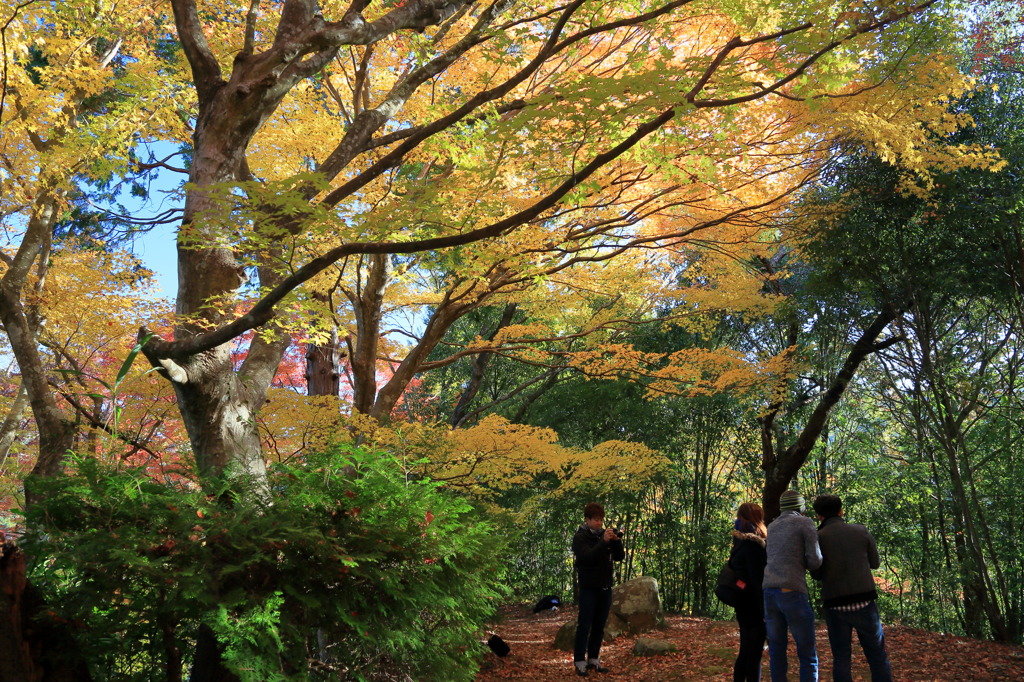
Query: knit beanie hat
791	500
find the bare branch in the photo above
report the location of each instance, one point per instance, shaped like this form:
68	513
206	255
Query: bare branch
97	424
162	164
368	121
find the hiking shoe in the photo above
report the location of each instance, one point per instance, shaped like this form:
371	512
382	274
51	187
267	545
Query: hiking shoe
597	668
581	673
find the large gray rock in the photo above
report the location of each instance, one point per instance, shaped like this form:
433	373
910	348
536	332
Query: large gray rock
615	627
638	604
647	646
636	608
565	638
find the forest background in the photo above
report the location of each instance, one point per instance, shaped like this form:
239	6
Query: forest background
448	270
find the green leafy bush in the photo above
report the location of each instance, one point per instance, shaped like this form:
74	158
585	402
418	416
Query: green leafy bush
346	570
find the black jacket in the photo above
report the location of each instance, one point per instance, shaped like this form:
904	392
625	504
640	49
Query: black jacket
748	557
594	557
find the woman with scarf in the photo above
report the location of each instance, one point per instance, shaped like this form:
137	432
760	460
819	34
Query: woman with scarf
748	558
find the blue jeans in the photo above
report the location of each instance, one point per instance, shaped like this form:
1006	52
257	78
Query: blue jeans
790	611
595	604
868	625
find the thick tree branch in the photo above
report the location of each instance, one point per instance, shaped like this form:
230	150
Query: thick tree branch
480	362
205	69
786	464
263	310
250	27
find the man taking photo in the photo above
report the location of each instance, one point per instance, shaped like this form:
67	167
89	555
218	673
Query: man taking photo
595	548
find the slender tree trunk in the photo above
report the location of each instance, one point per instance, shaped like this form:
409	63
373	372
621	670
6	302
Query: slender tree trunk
970	581
368	306
980	600
781	466
10	427
480	362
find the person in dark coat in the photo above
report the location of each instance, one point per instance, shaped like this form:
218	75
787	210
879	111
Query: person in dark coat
848	591
748	558
595	548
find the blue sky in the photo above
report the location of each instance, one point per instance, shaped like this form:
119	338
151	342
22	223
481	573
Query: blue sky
158	251
157	248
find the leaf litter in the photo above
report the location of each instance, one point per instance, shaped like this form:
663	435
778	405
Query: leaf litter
707	648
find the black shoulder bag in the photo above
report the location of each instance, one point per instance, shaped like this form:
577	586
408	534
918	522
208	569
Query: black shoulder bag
731	585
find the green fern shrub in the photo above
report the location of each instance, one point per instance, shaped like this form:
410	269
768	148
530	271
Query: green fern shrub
345	570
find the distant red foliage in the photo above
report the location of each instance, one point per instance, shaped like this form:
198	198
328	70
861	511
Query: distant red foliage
998	35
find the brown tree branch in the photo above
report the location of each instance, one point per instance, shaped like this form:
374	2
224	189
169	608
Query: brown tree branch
784	466
97	424
479	367
205	69
250	27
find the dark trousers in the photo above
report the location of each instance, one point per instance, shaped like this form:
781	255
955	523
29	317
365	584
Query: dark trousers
752	636
866	622
595	603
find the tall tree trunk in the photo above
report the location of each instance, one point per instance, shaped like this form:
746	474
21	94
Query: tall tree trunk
947	412
218	403
17	666
781	466
9	428
974	567
368	306
323	360
33	648
207	664
56	434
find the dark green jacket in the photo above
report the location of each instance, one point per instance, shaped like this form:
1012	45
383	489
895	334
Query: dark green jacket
849	554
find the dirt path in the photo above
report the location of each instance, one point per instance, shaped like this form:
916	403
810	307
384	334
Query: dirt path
706	650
